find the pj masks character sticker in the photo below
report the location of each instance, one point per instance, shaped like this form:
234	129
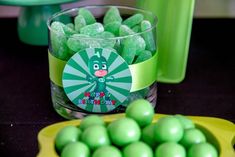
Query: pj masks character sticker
97	80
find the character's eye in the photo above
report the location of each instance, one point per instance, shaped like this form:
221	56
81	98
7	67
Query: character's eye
104	66
96	66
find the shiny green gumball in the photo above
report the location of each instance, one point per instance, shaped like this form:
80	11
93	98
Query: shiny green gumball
202	150
66	135
75	149
168	129
137	149
141	111
147	135
124	131
107	151
90	121
186	122
95	136
170	149
192	136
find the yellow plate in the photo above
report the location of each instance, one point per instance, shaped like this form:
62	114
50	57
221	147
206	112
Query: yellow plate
219	132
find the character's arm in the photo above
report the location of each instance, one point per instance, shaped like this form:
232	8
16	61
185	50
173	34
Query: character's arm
90	78
110	78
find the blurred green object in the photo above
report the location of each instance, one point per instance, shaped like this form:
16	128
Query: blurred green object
32	28
173	36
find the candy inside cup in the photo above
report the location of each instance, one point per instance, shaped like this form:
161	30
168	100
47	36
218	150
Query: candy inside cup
136	44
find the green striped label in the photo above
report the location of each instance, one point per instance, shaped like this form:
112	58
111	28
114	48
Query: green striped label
97	80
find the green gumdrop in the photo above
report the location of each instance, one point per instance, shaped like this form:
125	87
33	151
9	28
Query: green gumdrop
113	27
192	136
90	121
136	29
202	150
148	135
104	39
129	51
144	55
71	25
140	44
68	31
79	22
148	36
170	149
118	46
66	135
76	149
89	18
112	15
92	29
107	151
58	41
133	20
78	42
125	30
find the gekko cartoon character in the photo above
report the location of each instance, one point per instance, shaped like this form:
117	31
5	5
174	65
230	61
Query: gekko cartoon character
98	68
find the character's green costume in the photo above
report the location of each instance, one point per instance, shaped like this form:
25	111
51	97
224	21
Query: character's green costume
98	68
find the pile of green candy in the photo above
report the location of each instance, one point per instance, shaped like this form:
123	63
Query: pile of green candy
133	38
134	136
86	32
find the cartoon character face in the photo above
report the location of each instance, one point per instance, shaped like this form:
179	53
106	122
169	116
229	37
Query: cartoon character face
98	66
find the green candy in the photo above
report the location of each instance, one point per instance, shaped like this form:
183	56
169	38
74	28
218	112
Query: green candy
186	122
140	44
141	111
92	29
104	39
148	36
66	135
147	135
144	55
170	149
79	22
192	136
112	15
75	149
89	18
129	51
113	27
125	30
68	31
107	151
71	25
168	129
78	42
58	41
137	41
124	131
95	136
202	150
137	149
90	121
136	29
133	20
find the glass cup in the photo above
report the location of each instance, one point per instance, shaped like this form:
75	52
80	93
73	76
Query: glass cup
66	41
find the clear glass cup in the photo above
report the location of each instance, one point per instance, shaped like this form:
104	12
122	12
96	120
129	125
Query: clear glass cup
59	49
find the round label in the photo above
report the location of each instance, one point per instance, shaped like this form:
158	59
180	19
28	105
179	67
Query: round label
97	80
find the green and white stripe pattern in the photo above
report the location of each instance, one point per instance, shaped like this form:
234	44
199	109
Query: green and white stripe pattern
76	84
